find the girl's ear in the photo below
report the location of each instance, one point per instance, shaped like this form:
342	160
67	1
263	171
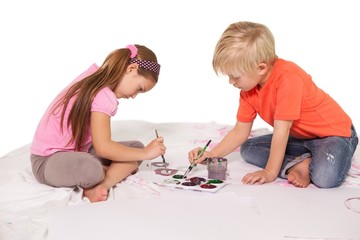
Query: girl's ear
132	67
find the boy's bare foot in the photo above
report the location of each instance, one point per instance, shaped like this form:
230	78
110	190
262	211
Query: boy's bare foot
97	193
298	175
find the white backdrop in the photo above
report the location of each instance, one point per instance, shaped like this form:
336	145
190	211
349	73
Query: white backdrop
45	44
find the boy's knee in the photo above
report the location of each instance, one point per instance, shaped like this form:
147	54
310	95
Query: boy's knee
326	182
323	177
244	150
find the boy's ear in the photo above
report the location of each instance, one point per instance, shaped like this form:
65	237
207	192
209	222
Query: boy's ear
263	68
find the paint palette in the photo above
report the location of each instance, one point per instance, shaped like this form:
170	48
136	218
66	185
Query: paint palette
194	183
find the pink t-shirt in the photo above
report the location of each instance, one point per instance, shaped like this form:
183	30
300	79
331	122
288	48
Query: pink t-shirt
49	138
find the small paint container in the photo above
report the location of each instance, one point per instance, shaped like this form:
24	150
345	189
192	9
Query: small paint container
217	167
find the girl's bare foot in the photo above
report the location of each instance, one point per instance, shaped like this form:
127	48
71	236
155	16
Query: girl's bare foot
135	171
298	175
97	193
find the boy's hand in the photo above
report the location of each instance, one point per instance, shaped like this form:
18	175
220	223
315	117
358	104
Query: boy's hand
194	153
260	177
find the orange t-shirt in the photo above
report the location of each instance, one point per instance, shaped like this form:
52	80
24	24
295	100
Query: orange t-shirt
290	94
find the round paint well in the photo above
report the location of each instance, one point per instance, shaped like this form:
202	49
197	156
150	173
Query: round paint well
159	164
189	184
165	171
215	181
207	185
178	176
197	180
171	181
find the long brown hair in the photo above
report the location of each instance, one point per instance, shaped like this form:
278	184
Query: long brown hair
108	75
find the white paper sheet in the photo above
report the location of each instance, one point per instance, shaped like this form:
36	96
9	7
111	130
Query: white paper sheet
25	204
227	217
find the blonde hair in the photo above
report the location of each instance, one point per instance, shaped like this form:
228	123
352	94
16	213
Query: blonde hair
242	47
108	75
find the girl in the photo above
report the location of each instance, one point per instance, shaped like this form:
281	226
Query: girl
72	145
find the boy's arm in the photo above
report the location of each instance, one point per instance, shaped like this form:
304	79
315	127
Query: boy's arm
233	139
277	153
278	146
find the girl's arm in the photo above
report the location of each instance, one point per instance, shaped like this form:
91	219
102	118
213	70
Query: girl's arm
276	158
109	149
233	139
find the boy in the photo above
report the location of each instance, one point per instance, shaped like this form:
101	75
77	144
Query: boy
313	139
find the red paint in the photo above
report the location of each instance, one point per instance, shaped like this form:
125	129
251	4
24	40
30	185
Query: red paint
206	185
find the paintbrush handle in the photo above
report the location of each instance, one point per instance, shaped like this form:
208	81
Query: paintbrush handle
200	153
163	158
157	135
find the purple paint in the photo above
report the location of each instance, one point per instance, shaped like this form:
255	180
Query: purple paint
197	180
165	171
189	184
159	164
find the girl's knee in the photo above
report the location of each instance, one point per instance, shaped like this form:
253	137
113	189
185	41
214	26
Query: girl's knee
137	144
91	175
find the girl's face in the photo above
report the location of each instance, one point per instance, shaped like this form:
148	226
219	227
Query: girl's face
132	83
247	82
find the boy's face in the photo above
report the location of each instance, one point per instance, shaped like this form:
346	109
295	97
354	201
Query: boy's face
248	81
245	82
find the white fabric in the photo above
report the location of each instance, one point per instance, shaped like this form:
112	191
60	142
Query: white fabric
25	203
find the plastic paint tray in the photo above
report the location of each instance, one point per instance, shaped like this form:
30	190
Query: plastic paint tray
201	184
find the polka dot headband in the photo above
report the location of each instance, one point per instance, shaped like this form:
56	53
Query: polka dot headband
145	64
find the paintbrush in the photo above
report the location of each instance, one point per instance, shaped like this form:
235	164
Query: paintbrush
162	156
200	153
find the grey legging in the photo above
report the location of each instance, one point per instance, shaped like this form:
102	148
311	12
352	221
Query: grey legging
69	169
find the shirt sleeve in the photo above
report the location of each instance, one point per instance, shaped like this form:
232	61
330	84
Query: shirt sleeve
246	111
105	101
289	95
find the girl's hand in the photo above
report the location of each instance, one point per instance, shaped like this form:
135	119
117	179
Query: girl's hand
155	148
260	177
194	153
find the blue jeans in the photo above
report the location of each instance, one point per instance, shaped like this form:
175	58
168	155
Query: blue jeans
331	156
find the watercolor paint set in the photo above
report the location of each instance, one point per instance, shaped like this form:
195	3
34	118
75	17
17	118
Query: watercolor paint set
215	180
200	184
